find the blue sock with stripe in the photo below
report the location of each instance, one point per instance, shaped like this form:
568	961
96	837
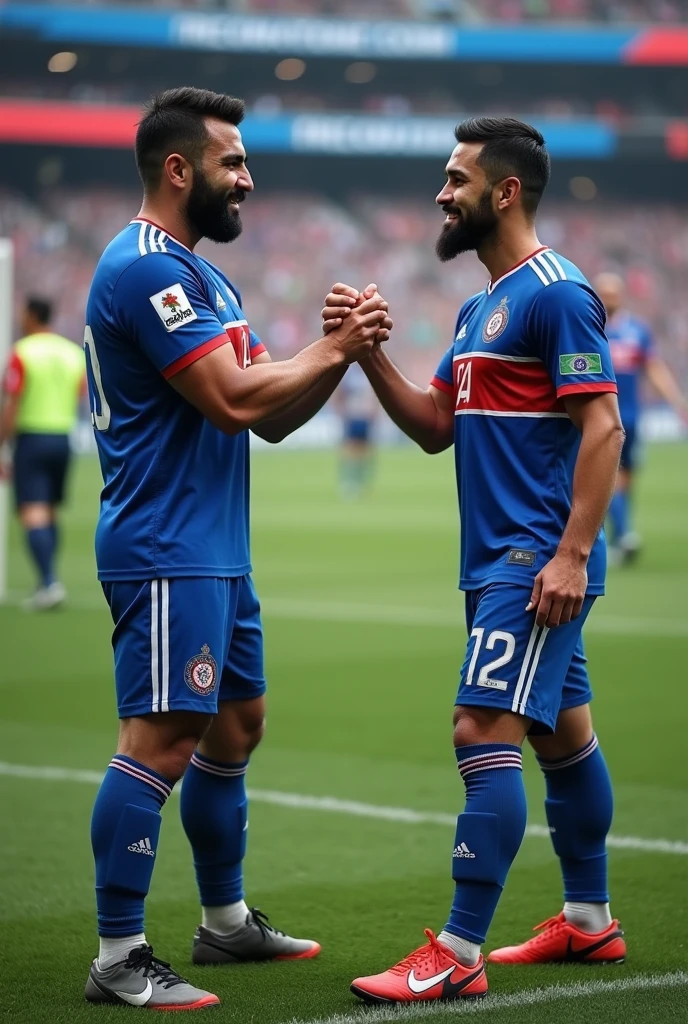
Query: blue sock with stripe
488	834
579	808
214	812
619	515
125	827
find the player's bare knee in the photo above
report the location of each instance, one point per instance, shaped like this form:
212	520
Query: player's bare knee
164	743
488	725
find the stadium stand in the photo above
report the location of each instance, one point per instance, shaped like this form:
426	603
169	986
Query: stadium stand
615	11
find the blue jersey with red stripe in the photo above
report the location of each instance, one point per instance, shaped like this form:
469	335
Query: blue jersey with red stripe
176	489
532	337
631	345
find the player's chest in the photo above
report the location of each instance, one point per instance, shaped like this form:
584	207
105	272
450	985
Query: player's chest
233	321
494	367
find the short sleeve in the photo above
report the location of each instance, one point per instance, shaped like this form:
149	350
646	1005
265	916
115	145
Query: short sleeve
162	302
566	327
257	346
444	374
13	382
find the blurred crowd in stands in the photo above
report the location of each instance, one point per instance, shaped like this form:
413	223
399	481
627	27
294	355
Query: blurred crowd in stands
471	11
294	248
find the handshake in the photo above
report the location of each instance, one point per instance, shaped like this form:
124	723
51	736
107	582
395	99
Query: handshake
356	321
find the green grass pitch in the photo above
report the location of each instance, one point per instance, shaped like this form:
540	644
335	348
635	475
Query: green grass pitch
364	637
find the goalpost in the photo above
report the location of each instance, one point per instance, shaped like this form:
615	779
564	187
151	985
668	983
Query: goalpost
6	305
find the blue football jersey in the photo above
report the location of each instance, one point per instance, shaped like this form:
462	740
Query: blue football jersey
630	343
176	489
532	337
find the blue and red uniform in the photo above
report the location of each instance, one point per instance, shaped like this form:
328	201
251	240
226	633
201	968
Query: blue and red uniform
533	337
631	346
172	543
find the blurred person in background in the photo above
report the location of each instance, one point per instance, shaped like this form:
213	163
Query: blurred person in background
357	406
634	356
43	381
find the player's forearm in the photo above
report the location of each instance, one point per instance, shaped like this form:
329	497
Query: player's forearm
285	422
662	380
593	485
411	408
264	390
8	415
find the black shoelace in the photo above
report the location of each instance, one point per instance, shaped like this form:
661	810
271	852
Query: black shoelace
142	959
263	922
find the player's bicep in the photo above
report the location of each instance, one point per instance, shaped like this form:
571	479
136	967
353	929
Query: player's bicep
207	383
599	412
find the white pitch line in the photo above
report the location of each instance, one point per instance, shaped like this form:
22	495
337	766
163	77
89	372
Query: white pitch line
334	805
403	615
514	1000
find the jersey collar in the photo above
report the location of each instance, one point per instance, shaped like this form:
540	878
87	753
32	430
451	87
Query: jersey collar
145	220
493	284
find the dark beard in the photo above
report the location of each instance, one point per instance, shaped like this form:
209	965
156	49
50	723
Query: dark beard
469	232
208	213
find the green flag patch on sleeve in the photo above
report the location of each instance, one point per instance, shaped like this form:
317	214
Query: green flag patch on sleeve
580	362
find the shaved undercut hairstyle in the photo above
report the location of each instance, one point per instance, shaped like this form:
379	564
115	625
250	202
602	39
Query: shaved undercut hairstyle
511	148
174	122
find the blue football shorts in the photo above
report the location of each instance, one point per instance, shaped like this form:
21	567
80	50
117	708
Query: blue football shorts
41	462
512	663
184	644
357	430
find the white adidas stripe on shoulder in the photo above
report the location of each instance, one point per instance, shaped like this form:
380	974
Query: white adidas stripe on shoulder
547	267
151	238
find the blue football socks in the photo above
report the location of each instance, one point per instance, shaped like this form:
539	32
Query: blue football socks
619	515
579	808
214	812
42	542
124	835
488	834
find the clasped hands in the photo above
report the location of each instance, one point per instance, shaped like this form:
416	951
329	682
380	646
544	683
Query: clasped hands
356	321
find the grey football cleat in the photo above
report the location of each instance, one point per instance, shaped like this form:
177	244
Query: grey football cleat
46	598
256	939
143	980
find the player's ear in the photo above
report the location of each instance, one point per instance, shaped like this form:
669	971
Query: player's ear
507	192
177	169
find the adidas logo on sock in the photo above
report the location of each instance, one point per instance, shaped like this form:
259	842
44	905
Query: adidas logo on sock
463	851
142	846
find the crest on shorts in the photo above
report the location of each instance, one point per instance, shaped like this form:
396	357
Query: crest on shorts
200	673
496	321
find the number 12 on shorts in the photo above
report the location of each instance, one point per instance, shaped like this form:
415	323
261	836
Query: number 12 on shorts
485	677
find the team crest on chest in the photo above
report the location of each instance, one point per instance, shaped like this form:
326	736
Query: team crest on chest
496	321
200	673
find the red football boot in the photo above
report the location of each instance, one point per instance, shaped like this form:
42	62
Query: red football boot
430	972
562	943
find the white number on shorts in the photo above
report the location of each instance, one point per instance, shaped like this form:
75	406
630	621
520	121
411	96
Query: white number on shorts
101	420
485	678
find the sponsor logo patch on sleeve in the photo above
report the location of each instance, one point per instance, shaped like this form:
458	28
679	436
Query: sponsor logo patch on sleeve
173	307
580	362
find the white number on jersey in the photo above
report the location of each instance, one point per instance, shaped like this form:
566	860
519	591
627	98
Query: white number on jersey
101	420
463	382
485	677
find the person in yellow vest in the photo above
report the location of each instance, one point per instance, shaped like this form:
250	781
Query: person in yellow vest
44	377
